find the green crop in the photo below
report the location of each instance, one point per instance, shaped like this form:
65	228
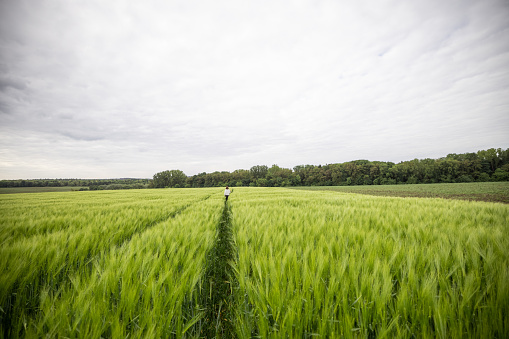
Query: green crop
340	265
476	191
104	263
271	263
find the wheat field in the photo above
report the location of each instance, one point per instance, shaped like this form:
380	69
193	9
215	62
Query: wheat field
137	263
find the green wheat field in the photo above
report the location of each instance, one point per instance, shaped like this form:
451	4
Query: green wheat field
271	263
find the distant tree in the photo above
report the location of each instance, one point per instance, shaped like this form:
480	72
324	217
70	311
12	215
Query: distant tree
178	178
259	171
278	176
491	158
464	178
500	175
483	177
295	180
173	178
262	182
161	179
367	180
244	176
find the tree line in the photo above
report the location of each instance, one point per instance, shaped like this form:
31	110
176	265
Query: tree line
90	184
485	165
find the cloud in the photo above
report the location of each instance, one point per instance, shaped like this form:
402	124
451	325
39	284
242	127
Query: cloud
123	89
6	83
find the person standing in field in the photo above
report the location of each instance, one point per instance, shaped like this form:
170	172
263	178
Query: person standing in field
226	193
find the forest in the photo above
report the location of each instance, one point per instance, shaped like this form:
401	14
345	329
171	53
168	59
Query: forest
482	166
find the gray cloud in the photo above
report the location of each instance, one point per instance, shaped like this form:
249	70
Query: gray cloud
115	89
6	83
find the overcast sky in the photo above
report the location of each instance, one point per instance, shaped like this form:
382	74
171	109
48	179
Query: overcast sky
109	89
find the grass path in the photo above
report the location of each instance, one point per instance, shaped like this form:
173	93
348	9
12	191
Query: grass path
219	282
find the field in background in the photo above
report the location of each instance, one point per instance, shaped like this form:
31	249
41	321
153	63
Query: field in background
307	263
476	191
12	190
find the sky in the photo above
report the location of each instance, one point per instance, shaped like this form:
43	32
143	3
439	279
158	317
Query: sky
116	89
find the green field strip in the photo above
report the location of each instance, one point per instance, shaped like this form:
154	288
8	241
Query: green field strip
18	190
53	258
219	282
477	191
165	218
145	288
36	218
104	220
81	252
340	265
